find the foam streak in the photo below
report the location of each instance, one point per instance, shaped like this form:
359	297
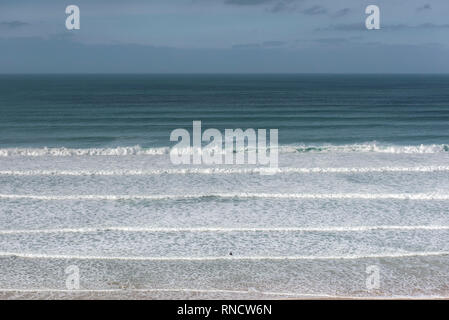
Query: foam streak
211	258
315	196
219	171
225	230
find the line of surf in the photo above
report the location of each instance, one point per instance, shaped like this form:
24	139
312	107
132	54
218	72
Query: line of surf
218	258
205	171
208	291
138	150
224	230
243	195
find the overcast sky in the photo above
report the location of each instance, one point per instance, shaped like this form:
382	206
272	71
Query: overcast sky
300	36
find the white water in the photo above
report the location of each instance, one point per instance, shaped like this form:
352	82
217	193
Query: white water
138	150
312	228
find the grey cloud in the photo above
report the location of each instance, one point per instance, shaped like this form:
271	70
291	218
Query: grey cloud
315	10
246	46
282	6
273	43
277	5
331	41
63	36
341	13
343	27
424	7
398	27
265	44
51	56
13	24
394	27
432	26
247	2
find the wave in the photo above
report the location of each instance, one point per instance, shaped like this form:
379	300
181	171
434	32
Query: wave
226	230
243	195
215	170
66	152
138	150
214	258
374	147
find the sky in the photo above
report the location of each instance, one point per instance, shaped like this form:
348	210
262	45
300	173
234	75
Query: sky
224	36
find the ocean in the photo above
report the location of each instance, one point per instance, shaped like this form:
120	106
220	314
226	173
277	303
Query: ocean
86	180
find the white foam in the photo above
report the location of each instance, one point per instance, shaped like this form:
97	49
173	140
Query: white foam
243	195
219	171
65	152
138	150
224	230
74	291
215	258
370	147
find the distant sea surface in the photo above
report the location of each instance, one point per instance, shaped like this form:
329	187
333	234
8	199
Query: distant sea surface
86	180
106	111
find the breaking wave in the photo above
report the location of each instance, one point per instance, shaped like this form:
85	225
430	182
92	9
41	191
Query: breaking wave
138	150
243	195
374	147
218	171
227	230
65	152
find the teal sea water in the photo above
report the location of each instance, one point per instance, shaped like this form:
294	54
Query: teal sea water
99	111
86	180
